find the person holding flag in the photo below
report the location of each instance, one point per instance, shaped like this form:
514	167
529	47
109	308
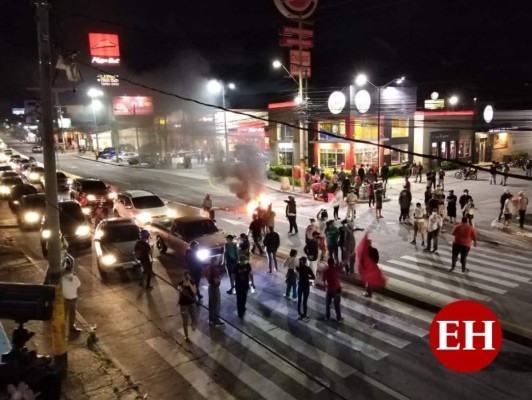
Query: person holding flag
368	258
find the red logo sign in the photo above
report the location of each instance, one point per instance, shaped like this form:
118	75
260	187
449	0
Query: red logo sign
298	9
465	336
104	45
132	105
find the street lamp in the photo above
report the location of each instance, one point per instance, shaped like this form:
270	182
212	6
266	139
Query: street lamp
215	87
361	80
96	105
453	100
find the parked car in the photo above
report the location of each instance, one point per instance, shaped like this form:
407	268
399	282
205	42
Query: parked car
63	181
13	159
36	149
17	192
5	154
141	205
151	159
127	155
72	224
7	183
108	152
34	174
30	210
114	242
95	191
176	234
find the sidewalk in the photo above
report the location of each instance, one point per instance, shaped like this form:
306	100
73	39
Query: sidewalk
92	375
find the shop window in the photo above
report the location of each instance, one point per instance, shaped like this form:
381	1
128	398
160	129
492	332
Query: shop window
434	149
452	149
399	128
397	156
464	148
331	158
366	129
443	152
285	132
335	127
285	157
366	154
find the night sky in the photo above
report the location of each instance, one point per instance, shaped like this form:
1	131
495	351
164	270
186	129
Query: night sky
469	47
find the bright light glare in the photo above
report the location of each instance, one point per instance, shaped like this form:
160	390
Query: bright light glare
171	213
277	64
453	100
83	230
46	234
93	92
144	218
108	259
31	217
96	105
361	79
203	254
214	86
264	200
231	86
91	197
298	99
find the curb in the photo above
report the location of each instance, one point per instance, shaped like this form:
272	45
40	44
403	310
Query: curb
103	162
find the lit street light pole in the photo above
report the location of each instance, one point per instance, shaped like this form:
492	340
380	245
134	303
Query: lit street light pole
94	94
215	86
361	80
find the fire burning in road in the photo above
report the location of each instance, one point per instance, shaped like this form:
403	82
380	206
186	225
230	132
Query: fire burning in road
262	201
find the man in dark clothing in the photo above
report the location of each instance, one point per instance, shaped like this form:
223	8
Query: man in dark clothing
362	172
493	173
433	203
231	258
504	196
195	266
405	199
291	212
385	173
464	199
272	242
242	275
342	230
255	229
143	253
333	291
213	277
419	172
305	275
312	249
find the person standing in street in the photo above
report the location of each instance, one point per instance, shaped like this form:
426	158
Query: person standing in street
305	275
244	247
508	210
350	248
143	253
528	168
351	201
195	267
506	195
242	275
231	258
206	204
469	211
187	297
451	207
433	226
337	201
368	269
311	228
504	176
270	217
493	173
272	242
342	230
419	172
290	263
385	173
464	199
371	194
522	204
463	236
378	203
255	230
419	224
362	172
213	277
331	235
70	284
405	199
441	178
333	290
311	250
291	213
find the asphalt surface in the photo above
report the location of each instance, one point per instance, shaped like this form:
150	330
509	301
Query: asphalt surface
381	351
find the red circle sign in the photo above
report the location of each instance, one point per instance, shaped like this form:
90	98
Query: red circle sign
296	8
465	336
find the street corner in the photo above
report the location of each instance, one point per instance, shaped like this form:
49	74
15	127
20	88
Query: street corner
524	235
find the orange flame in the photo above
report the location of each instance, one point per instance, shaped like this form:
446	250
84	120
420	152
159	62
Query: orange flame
262	200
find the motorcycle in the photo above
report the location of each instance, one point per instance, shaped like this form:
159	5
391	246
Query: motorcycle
466	173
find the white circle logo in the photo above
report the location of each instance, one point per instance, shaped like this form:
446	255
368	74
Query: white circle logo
488	114
434	95
296	8
362	101
336	102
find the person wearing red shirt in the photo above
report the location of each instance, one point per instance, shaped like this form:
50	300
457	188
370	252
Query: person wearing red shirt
464	235
331	279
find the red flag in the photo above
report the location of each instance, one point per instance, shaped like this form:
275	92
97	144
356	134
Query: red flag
367	267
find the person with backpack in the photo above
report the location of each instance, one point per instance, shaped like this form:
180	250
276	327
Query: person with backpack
143	253
290	263
187	297
305	276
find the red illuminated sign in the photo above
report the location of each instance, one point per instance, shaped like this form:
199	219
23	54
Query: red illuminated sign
104	45
132	105
294	42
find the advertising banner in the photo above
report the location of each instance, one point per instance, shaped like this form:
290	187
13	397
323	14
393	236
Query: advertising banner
104	48
132	105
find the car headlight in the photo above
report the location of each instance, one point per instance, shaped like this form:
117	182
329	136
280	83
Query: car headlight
203	254
108	259
46	234
34	176
91	197
86	210
143	218
31	217
83	230
5	189
112	195
171	213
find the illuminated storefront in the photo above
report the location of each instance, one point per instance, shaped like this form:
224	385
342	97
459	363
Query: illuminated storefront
242	129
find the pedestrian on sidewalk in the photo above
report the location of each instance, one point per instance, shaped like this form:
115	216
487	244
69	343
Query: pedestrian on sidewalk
346	185
231	258
362	172
405	199
290	263
255	230
272	242
291	212
195	267
333	290
407	185
493	173
143	253
522	204
419	172
469	211
378	202
244	247
506	195
505	171
351	201
242	275
368	269
371	194
213	277
419	224
508	210
311	228
451	207
464	199
70	284
463	236
441	178
385	173
431	178
187	297
305	275
332	234
433	226
337	201
312	250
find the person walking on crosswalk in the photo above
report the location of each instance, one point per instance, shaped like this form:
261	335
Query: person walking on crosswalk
231	258
433	227
272	242
506	195
332	234
290	264
311	228
242	276
212	274
333	290
419	224
311	250
187	297
305	275
463	236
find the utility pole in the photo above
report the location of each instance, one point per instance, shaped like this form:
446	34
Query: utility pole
59	344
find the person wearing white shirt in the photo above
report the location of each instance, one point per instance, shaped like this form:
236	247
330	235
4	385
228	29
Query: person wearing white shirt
70	283
419	224
337	200
434	226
